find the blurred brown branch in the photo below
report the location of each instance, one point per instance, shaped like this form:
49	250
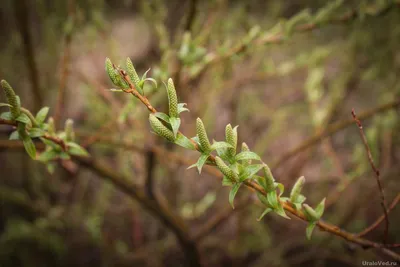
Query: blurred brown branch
376	172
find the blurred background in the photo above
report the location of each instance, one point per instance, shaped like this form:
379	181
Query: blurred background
289	87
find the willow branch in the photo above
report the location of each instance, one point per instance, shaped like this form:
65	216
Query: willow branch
376	172
324	226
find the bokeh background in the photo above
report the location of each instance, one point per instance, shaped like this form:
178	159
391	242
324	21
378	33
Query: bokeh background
292	99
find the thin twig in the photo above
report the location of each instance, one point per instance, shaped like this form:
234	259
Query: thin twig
376	171
61	99
380	219
333	128
21	11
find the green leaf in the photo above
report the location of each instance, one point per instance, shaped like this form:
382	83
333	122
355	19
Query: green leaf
48	155
249	171
246	155
14	135
29	146
202	160
219	145
273	199
310	213
320	208
6	116
181	107
5	105
185	142
42	114
148	80
226	181
23	118
36	132
232	194
281	188
261	181
175	123
162	116
310	229
266	211
76	150
281	212
263	199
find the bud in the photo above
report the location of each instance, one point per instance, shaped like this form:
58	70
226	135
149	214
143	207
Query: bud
269	178
310	213
202	134
231	138
69	130
172	99
11	99
245	147
111	72
296	190
51	126
228	172
160	128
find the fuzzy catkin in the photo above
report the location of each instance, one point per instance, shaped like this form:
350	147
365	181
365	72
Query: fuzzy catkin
269	178
11	99
231	138
172	99
132	72
228	172
202	134
297	187
160	128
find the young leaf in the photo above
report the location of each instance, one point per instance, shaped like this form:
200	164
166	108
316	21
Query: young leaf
320	208
6	116
14	136
233	192
162	116
226	181
281	188
77	150
219	145
183	141
310	229
247	155
23	118
201	161
281	212
181	107
29	146
36	132
48	155
273	199
249	171
263	199
265	212
175	123
5	105
42	114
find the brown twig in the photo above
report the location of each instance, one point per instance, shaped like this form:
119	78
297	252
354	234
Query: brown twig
21	11
333	128
61	100
376	171
380	219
